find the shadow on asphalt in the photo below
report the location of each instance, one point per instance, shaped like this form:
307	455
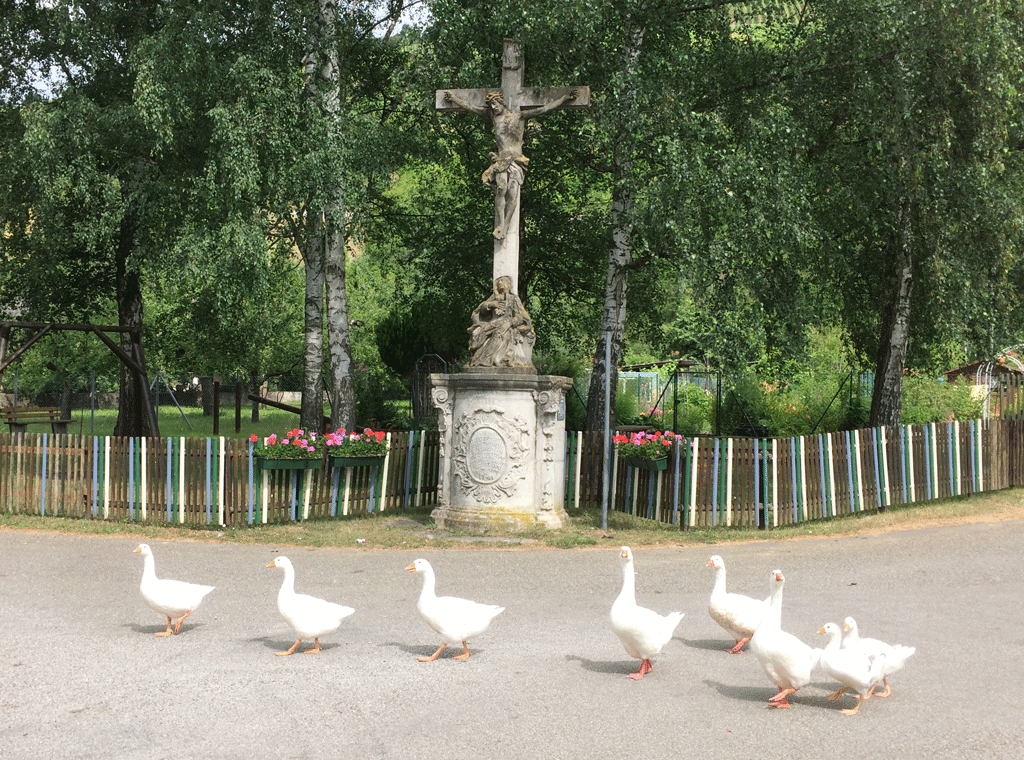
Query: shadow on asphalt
620	667
709	644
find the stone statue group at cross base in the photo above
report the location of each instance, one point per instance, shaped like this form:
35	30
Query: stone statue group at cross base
501	333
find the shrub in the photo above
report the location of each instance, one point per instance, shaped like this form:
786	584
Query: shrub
926	399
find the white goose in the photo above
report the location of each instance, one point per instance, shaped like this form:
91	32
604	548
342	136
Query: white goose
851	667
174	599
454	620
736	613
643	632
309	616
895	656
787	660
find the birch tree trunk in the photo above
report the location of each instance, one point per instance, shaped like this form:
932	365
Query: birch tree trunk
342	391
313	337
613	318
326	267
886	400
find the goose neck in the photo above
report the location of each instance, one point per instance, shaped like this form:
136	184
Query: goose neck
774	614
288	584
719	587
427	592
148	567
628	592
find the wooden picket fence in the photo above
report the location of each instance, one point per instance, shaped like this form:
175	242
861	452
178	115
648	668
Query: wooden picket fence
755	482
708	482
209	481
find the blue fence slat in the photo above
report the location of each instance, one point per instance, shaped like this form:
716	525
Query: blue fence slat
714	484
44	474
410	448
928	458
95	475
251	484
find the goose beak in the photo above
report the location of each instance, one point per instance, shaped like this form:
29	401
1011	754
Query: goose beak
624	554
137	550
411	568
846	627
270	564
710	563
821	631
778	575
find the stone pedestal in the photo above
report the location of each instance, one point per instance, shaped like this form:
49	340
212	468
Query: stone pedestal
502	450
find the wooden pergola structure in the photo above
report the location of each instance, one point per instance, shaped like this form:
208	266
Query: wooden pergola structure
133	360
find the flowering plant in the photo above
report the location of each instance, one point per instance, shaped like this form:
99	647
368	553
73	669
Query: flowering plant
644	445
295	444
369	443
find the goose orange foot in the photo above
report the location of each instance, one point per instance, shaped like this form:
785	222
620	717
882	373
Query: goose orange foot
177	626
738	649
645	668
779	700
434	655
465	654
168	632
315	648
853	710
289	651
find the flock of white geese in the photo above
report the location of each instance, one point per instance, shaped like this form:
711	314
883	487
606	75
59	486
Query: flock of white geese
859	664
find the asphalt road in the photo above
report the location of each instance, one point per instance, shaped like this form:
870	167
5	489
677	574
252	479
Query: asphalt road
84	677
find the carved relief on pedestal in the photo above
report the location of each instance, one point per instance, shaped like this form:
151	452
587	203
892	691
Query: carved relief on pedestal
490	453
547	410
444	401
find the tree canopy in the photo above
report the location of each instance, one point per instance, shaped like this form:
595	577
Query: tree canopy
747	173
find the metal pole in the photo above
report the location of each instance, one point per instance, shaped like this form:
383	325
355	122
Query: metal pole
607	429
675	400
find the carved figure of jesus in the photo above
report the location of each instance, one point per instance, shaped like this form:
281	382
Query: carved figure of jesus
508	164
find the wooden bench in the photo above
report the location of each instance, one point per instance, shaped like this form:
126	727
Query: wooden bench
19	418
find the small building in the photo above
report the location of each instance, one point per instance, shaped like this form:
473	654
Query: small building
998	383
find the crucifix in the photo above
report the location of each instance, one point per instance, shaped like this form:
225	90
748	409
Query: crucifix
509	109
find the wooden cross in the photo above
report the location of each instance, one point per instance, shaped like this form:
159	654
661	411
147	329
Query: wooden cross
508	164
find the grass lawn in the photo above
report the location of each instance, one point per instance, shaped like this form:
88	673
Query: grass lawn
188	422
413	529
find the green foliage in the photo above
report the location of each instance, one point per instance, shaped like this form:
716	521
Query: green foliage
927	400
820	397
696	409
376	390
627	410
768	148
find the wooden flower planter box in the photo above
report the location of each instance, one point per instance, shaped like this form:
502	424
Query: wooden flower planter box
337	461
653	465
288	464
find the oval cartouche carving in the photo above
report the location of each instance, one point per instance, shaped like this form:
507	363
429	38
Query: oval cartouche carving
487	455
